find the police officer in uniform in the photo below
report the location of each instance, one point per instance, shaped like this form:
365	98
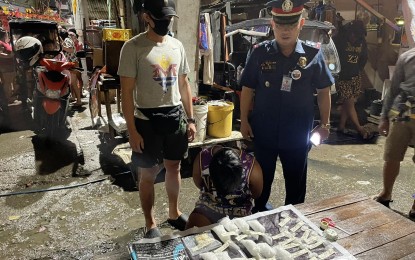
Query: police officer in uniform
280	79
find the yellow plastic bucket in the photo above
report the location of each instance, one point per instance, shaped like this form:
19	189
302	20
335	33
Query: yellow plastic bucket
219	118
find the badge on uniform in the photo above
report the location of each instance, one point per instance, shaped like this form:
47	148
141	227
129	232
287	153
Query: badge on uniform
296	74
286	83
267	84
268	66
302	62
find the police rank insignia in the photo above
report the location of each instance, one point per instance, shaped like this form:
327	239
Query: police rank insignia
287	6
302	62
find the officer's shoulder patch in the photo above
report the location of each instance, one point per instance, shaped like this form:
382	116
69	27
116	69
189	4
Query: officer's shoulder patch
262	44
311	45
310	49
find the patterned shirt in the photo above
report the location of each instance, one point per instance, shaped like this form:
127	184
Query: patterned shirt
236	204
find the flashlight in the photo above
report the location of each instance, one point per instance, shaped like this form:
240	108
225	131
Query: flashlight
315	139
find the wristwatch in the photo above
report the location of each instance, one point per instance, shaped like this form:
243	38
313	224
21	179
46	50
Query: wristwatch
191	120
325	126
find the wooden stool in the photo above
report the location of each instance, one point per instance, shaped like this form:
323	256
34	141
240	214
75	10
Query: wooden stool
105	83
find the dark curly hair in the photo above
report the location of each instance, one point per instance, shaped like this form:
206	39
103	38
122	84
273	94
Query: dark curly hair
225	171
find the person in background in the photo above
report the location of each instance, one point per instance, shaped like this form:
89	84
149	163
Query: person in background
229	180
399	102
153	73
50	46
353	57
7	71
79	46
70	48
280	78
74	36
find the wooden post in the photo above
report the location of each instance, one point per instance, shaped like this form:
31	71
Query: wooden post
122	13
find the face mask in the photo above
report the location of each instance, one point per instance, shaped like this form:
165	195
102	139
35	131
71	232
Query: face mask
161	27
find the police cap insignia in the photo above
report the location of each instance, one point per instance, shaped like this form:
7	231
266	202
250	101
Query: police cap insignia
287	6
286	11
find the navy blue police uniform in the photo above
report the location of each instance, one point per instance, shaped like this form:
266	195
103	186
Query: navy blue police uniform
283	112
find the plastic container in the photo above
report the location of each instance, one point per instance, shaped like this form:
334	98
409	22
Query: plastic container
200	113
116	34
219	118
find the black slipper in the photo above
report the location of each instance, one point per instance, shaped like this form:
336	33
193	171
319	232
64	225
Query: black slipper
180	222
382	201
152	233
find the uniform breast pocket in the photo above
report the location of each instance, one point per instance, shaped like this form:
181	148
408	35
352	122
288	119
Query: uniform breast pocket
305	75
303	85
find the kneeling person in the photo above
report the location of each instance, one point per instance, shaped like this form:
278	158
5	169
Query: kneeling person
229	180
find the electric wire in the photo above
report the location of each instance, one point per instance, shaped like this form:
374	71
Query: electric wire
52	189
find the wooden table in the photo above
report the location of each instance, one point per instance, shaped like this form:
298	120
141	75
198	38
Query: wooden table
376	232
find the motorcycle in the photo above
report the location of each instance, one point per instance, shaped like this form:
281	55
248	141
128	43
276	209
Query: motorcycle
51	90
51	99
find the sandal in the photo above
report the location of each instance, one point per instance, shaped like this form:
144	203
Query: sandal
180	222
152	233
383	201
411	214
366	133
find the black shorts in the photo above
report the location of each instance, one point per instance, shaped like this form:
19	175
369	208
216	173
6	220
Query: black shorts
158	147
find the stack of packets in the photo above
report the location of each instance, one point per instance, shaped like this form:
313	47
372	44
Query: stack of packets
282	233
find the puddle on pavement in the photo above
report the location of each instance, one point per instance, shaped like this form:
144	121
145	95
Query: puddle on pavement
74	223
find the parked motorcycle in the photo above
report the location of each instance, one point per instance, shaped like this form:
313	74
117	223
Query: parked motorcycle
51	91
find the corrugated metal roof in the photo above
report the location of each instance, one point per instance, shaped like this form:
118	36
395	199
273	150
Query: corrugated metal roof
98	9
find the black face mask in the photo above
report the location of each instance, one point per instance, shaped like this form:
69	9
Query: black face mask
161	27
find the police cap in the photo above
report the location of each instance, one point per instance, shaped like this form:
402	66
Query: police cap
160	9
286	11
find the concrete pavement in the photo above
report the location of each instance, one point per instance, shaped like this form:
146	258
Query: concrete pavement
101	213
345	163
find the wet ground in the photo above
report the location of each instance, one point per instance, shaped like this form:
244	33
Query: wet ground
78	200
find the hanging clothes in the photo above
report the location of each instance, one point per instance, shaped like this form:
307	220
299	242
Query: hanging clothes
206	48
203	39
225	50
216	35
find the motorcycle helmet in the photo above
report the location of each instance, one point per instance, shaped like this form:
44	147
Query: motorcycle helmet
28	49
68	43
